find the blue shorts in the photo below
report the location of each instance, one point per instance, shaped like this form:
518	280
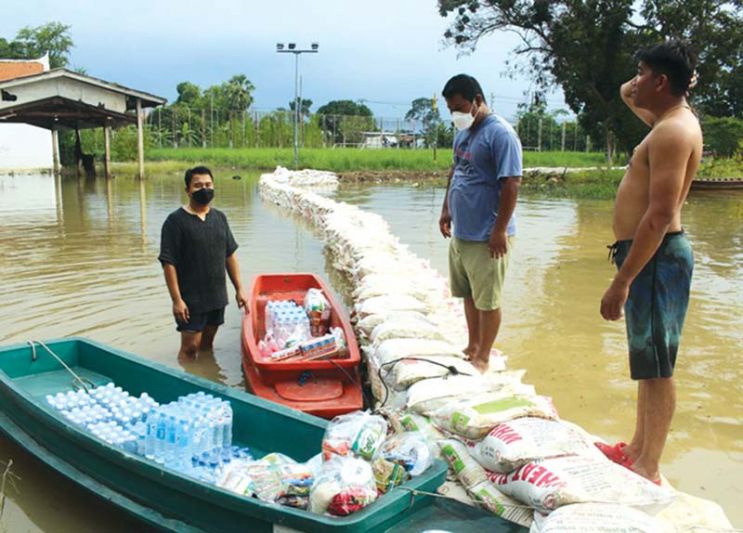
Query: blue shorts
197	321
656	306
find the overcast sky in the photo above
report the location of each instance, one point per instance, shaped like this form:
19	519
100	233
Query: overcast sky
386	52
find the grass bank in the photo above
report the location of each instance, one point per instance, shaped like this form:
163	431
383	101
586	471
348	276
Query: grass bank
352	159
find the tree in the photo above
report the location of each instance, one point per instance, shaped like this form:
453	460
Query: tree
188	94
336	122
53	37
238	93
425	111
587	47
304	109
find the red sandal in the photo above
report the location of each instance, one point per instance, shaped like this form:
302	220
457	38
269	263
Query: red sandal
615	453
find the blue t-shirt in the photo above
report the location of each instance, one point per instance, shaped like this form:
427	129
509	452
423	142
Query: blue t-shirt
482	158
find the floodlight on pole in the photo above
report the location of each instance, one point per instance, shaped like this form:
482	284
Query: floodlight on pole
291	48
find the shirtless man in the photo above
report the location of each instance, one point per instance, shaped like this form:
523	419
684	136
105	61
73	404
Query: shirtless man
653	256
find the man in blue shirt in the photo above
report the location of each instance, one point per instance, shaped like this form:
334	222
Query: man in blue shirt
480	201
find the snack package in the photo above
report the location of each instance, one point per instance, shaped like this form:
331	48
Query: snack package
359	434
409	450
387	474
345	485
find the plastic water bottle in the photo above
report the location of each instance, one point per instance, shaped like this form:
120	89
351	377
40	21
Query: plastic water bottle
183	446
170	440
162	423
149	447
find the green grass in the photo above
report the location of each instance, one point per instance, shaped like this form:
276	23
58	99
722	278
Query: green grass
722	168
601	184
351	159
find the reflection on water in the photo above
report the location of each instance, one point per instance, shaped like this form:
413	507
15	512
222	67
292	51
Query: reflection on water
80	259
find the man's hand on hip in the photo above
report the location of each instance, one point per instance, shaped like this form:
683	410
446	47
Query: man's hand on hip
498	244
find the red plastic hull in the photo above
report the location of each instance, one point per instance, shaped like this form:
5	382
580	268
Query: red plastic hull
321	388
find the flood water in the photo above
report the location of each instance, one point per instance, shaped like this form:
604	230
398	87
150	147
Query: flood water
79	258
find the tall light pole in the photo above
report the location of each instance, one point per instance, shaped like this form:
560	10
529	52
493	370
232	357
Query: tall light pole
291	48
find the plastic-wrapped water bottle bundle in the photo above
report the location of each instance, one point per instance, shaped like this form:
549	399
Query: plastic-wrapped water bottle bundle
192	435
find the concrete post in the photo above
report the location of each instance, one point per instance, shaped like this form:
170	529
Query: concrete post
107	151
55	153
140	138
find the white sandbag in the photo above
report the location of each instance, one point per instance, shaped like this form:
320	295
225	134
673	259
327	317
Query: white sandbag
695	515
383	304
405	328
369	322
489	497
394	349
406	372
551	483
455	491
426	396
598	517
464	467
512	444
474	418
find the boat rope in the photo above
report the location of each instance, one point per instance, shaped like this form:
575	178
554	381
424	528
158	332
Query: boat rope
77	380
451	370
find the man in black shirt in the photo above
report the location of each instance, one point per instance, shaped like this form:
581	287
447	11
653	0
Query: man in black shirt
195	249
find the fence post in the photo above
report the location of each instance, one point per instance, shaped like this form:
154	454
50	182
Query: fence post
562	141
539	136
588	143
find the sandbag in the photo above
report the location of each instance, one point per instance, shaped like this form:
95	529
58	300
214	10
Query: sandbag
474	418
394	349
384	304
464	467
369	322
406	372
551	483
426	396
405	328
598	517
489	497
512	444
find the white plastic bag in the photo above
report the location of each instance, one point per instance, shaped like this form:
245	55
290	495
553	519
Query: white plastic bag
345	485
410	450
359	433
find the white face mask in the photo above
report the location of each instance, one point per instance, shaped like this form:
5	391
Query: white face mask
462	121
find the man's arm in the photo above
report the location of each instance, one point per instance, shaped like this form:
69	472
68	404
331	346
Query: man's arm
445	219
233	270
646	116
669	154
180	309
509	193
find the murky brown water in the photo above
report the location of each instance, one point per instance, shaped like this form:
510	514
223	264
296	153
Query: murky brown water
79	259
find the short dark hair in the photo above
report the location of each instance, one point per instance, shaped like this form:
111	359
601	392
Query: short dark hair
464	85
196	170
674	58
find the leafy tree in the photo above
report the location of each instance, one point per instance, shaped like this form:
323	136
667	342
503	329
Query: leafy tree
425	111
188	94
31	43
587	47
238	93
343	119
304	109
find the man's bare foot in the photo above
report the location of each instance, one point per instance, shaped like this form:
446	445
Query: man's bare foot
480	365
639	469
469	353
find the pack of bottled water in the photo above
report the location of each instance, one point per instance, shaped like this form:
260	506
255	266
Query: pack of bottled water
192	435
287	323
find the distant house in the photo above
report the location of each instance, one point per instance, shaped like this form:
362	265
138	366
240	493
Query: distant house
23	147
389	139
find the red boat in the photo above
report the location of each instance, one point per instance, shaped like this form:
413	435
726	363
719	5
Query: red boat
324	388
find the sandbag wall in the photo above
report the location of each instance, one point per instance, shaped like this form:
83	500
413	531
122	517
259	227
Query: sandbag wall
506	446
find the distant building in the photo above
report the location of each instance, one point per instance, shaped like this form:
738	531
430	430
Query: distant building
23	147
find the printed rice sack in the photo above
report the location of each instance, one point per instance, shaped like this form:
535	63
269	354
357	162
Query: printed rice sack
490	498
603	517
394	349
475	418
512	444
551	483
468	472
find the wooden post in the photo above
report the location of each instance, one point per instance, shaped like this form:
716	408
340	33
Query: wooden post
55	153
562	143
107	150
140	139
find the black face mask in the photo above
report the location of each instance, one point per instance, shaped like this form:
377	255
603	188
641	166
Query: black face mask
203	196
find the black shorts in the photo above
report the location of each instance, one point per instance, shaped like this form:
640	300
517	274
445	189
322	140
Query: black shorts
656	306
198	321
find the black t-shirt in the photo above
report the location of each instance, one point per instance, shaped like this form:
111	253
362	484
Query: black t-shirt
198	250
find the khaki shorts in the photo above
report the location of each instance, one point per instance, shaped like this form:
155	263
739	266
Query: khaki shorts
473	273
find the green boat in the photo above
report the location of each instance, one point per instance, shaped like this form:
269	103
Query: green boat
166	500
